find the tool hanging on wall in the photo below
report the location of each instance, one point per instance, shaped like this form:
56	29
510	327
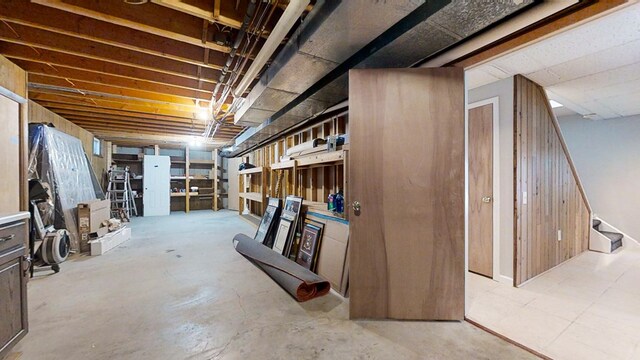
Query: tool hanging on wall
119	192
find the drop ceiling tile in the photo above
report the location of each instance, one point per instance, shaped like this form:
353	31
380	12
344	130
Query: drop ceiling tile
625	105
519	63
597	35
612	58
478	77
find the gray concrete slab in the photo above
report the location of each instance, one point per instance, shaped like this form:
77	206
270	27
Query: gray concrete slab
178	290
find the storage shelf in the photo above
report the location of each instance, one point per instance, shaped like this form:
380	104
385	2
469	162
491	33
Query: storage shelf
283	165
127	160
183	194
201	162
323	158
258	169
253	196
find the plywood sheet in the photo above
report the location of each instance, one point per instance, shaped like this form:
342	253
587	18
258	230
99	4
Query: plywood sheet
407	172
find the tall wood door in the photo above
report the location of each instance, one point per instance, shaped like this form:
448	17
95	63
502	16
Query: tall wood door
481	190
406	184
157	185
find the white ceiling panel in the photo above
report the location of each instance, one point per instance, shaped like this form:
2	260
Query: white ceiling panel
479	78
593	68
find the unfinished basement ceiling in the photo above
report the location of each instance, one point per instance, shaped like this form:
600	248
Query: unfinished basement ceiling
590	69
330	37
126	71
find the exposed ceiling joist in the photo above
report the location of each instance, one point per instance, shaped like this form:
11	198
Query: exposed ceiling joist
149	139
26	53
148	17
20	34
110	102
58	71
45	18
105	88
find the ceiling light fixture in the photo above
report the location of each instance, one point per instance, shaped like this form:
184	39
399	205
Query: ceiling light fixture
555	104
202	113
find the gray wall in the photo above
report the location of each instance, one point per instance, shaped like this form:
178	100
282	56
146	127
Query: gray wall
503	89
606	154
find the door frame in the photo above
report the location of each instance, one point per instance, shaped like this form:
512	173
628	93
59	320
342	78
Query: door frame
495	102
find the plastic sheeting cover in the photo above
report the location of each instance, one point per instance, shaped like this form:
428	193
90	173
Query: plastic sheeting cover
59	161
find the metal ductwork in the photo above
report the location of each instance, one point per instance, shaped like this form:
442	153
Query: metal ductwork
311	73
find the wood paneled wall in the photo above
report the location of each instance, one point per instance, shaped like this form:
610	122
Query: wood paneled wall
13	84
39	114
549	196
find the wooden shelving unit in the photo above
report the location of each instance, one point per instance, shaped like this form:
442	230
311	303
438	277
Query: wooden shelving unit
253	184
207	173
190	167
313	176
123	156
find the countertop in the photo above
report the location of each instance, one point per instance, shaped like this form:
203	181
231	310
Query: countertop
13	217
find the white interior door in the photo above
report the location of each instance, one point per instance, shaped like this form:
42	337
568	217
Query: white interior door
157	185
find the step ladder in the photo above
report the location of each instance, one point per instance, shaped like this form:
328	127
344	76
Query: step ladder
123	204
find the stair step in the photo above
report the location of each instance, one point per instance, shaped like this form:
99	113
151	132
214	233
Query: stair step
596	223
614	236
615	245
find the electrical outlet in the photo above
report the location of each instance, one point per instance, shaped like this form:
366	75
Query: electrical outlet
524	198
559	235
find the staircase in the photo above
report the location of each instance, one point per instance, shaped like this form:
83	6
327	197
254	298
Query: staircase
614	238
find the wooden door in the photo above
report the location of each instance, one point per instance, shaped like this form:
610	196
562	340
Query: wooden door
406	167
481	190
157	185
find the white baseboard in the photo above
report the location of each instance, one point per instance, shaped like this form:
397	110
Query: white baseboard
505	280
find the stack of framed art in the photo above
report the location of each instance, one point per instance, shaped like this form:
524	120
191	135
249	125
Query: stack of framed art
309	244
267	230
286	233
316	242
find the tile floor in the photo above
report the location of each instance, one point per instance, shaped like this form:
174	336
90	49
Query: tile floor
586	308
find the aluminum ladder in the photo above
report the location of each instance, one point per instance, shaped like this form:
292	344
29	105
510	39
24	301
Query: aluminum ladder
119	192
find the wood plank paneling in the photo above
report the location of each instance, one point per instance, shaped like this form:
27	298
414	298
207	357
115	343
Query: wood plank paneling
9	156
549	197
12	78
407	166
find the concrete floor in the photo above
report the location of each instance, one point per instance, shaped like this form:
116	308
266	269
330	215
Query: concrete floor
178	290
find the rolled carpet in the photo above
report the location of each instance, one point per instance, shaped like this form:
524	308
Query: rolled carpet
299	282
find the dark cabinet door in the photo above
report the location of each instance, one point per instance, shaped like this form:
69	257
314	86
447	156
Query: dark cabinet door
13	293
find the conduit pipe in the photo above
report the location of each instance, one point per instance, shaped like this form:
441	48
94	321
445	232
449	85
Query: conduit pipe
291	14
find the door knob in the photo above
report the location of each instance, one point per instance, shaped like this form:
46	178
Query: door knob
486	199
356	206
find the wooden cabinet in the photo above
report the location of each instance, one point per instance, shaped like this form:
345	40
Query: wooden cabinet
13	281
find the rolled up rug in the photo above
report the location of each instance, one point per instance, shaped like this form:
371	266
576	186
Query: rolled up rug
299	282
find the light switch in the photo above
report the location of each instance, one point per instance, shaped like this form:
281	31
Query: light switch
524	198
559	235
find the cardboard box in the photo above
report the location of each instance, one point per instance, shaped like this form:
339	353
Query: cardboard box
91	214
